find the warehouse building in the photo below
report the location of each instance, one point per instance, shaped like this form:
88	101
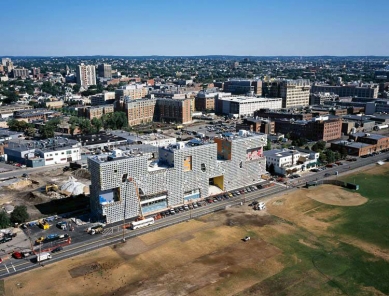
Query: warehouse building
124	185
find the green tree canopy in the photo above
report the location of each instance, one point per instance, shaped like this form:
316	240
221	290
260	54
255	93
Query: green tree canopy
4	220
19	214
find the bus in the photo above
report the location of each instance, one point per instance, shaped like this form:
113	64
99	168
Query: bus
142	223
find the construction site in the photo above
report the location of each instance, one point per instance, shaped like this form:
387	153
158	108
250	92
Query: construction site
305	240
51	192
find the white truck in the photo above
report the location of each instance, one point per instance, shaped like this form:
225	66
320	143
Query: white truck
43	256
260	206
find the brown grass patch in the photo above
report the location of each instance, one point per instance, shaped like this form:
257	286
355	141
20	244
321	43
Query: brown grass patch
335	195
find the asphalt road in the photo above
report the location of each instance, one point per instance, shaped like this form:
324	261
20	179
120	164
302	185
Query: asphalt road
19	172
114	234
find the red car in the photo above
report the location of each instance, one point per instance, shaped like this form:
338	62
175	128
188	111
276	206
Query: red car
17	255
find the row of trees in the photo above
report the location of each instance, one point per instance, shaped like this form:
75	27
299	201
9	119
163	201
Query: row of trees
21	126
116	120
48	130
19	215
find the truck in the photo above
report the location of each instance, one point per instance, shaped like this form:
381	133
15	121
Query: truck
95	229
260	206
43	256
44	225
62	225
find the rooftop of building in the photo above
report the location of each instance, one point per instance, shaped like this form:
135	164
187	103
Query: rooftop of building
368	136
134	137
280	153
358	145
102	137
248	99
51	144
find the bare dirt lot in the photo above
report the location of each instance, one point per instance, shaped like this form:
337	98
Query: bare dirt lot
287	254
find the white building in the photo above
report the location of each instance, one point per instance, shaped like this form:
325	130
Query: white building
86	75
60	155
154	139
245	105
287	161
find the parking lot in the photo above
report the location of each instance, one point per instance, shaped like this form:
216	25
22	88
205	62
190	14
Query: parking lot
210	200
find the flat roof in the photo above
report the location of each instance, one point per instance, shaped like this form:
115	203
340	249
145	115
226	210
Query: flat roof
278	153
352	144
246	99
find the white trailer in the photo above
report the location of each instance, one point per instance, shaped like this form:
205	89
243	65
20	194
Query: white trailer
43	256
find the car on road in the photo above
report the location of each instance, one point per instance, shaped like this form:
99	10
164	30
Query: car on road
327	174
57	249
5	239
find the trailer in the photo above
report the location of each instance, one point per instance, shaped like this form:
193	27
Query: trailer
43	256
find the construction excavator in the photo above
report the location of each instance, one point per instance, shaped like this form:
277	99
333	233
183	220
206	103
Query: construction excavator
51	187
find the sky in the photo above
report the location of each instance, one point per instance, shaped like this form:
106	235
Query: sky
194	27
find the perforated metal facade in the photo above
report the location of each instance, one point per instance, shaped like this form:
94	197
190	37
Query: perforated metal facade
174	177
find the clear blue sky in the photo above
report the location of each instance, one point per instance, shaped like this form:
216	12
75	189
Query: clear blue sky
194	27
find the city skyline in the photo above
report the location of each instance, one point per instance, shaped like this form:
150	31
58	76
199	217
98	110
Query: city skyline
195	28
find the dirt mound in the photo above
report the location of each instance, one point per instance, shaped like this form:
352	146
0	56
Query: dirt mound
82	173
337	196
19	184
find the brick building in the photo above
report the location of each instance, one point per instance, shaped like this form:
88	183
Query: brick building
324	128
95	111
256	125
173	110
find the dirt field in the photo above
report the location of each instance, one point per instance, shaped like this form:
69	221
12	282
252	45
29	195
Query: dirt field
207	256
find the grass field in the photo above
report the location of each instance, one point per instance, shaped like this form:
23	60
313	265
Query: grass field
302	245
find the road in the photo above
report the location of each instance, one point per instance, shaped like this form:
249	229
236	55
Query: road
114	234
19	172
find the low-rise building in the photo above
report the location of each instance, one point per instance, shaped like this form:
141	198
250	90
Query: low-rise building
154	139
8	110
244	105
289	161
35	114
361	144
46	152
54	104
257	125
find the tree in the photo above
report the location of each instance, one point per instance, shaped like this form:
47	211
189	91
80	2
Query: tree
97	124
76	88
4	220
30	132
85	126
343	152
321	145
330	155
19	214
268	146
47	131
